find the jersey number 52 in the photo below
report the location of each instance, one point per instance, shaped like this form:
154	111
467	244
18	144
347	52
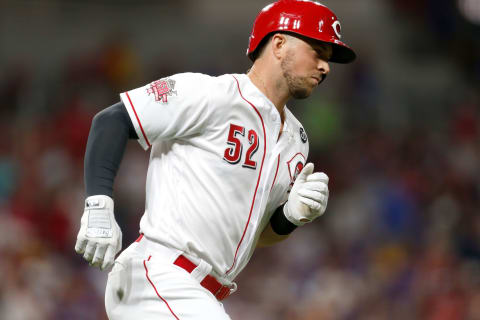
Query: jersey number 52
233	154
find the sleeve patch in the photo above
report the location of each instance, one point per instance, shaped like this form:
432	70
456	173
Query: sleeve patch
161	89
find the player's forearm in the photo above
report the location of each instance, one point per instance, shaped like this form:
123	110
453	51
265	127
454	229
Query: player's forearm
111	128
270	237
277	230
100	237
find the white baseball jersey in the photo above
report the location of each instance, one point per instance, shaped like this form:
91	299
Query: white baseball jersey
218	169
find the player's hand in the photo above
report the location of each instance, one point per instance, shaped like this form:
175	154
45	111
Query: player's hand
308	197
100	237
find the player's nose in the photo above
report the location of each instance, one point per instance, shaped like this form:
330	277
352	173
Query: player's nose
323	67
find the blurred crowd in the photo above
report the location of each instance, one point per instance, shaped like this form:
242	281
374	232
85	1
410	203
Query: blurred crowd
400	238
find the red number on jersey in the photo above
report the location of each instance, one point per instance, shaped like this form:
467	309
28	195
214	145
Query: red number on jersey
253	140
232	155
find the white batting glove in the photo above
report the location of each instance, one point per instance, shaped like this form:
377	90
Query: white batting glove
100	237
308	197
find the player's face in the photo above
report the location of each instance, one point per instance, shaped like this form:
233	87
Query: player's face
305	65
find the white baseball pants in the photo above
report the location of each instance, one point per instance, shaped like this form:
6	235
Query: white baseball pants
145	284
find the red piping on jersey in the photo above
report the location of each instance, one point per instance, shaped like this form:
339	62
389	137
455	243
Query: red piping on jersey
138	120
275	178
154	288
259	175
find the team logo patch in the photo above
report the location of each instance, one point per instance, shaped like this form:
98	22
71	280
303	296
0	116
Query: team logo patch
303	135
162	88
295	166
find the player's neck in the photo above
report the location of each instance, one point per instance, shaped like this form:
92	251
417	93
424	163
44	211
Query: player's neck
268	85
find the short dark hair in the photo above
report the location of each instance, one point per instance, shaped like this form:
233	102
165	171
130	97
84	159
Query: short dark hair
261	47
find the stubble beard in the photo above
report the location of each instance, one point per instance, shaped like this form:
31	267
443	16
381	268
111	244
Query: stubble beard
297	86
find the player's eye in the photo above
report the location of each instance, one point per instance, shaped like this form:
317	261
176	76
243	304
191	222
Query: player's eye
322	54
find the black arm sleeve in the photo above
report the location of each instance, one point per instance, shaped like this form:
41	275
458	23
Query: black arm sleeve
280	224
111	128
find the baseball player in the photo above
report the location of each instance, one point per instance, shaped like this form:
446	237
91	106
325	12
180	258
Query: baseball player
227	170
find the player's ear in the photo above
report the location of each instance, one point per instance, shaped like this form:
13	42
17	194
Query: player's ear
278	44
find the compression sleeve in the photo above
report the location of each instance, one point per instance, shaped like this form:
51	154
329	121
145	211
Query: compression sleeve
111	128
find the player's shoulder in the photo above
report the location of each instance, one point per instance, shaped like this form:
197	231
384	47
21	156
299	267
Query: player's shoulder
234	85
192	77
229	80
222	88
202	76
225	80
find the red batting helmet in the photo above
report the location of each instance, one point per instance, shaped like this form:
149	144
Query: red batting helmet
304	17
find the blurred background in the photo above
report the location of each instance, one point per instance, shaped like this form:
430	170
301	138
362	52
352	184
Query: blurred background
398	132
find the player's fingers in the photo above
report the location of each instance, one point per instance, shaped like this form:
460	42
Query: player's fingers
119	240
307	170
313	205
89	251
98	256
313	195
109	258
317	186
318	176
80	245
